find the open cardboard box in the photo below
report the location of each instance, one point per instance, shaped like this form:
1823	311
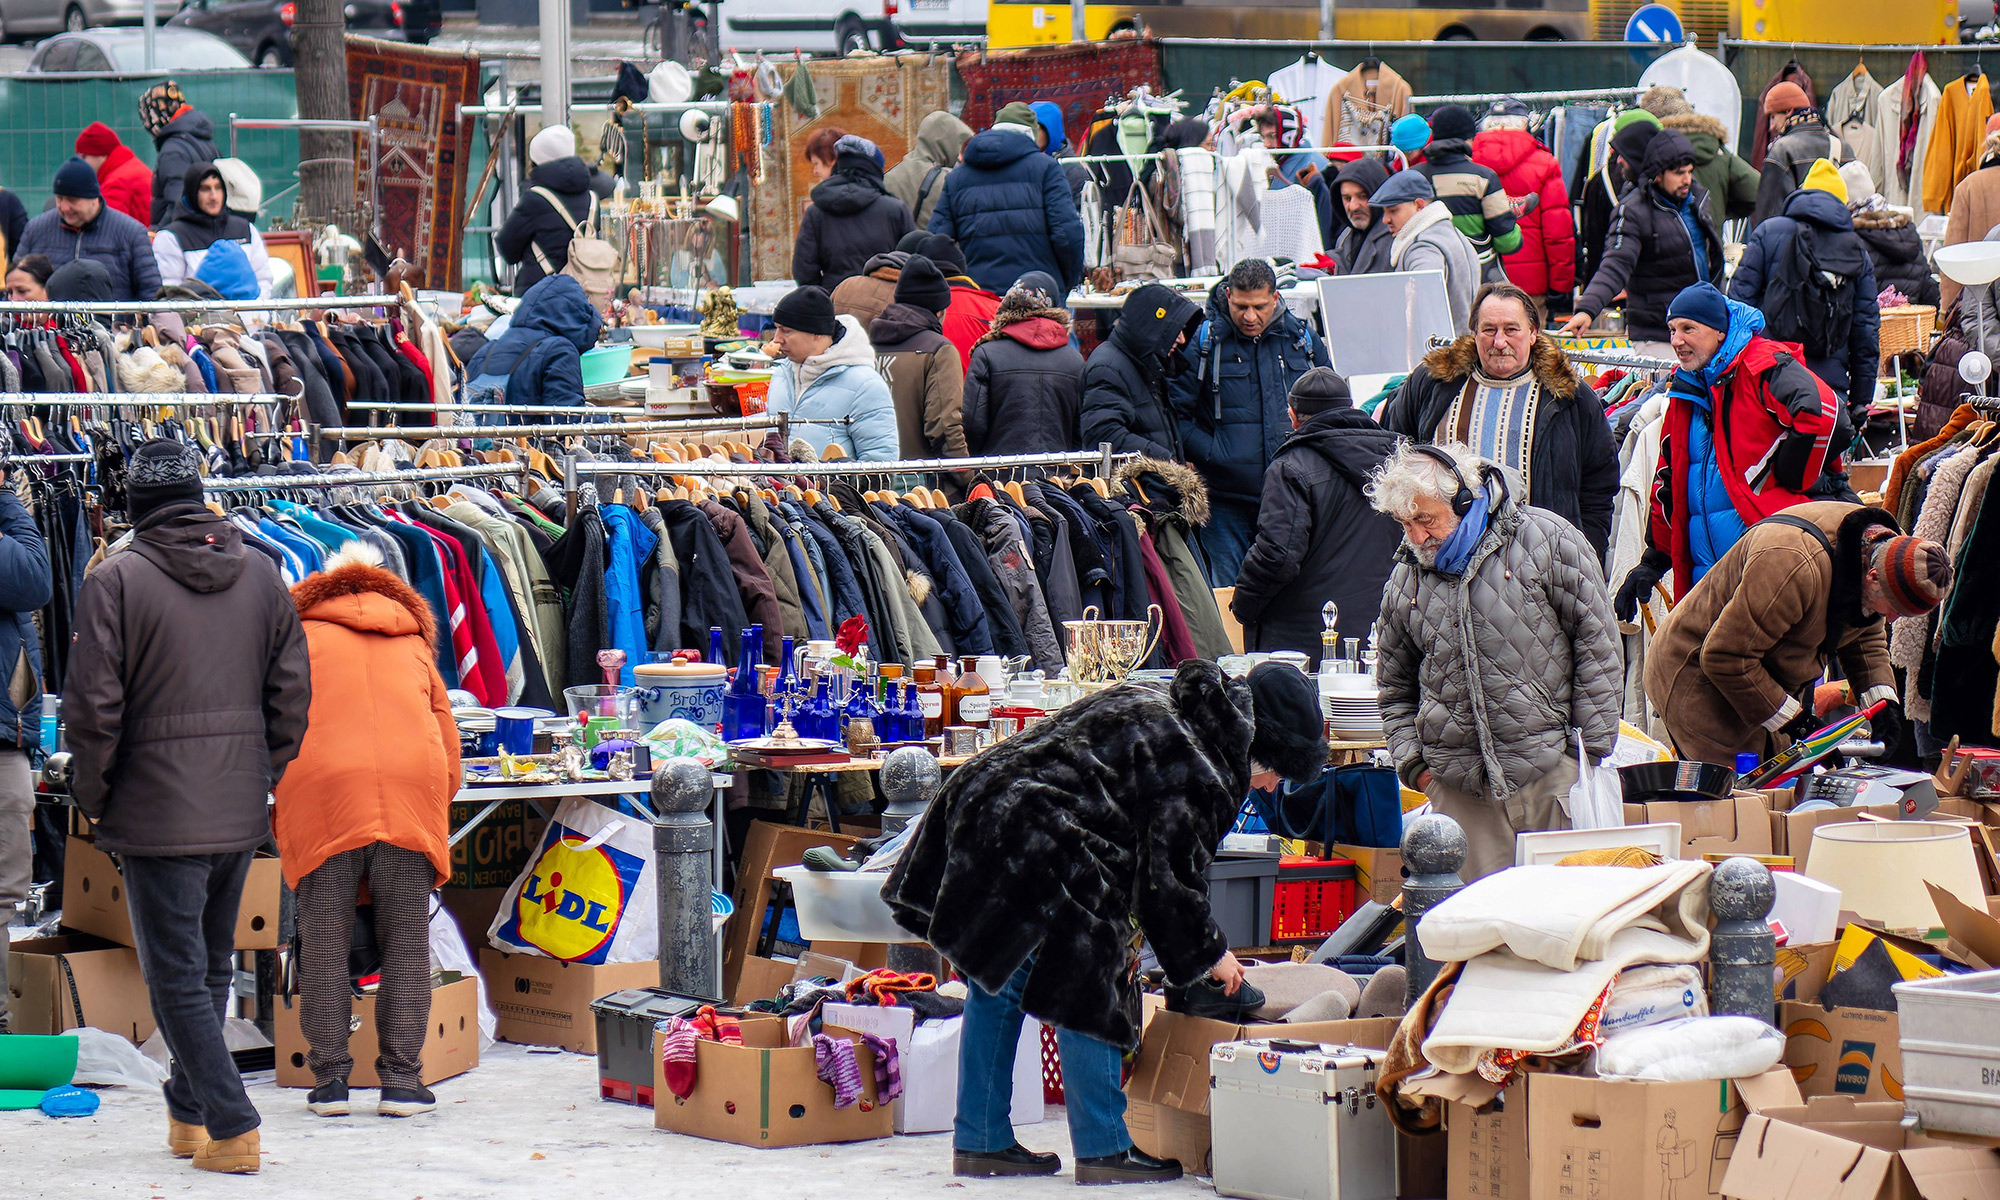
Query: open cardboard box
766	848
451	1043
94	897
766	1093
103	978
540	1001
1842	1148
1611	1138
1738	825
1378	870
1487	1148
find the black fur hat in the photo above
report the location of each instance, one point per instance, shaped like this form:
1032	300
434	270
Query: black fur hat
1291	732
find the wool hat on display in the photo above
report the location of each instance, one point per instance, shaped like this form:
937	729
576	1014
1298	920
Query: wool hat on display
1402	188
159	473
77	180
1702	304
923	285
808	310
551	144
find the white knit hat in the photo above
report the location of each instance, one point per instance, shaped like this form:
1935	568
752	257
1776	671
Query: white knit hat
244	191
551	144
1860	184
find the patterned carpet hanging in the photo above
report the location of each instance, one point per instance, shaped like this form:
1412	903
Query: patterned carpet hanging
416	93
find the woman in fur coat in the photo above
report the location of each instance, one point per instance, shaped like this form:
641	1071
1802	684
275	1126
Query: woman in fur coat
1045	861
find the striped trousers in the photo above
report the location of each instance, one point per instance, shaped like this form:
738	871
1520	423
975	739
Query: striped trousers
399	886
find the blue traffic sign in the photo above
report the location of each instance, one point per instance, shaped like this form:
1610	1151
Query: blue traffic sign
1655	23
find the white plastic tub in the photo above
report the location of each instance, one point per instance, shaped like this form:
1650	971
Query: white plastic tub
842	906
1949	1029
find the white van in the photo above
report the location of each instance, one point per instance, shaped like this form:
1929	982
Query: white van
838	26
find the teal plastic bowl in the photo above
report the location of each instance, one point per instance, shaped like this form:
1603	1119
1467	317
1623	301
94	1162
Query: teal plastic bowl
606	364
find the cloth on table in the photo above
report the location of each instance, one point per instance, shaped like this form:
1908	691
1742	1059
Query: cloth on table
836	1063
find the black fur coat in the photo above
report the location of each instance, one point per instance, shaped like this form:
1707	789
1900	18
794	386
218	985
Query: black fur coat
1059	841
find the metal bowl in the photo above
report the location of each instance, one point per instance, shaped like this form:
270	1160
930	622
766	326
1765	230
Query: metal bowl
1681	779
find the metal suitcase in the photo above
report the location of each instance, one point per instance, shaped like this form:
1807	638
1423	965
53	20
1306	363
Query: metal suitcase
1299	1121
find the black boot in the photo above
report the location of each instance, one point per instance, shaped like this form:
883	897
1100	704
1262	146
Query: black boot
1014	1160
1205	997
1133	1166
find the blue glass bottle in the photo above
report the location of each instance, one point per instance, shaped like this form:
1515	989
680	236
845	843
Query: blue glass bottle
743	707
715	643
825	721
889	726
861	705
784	689
913	714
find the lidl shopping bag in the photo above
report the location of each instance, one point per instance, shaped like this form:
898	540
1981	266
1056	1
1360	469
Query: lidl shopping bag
588	895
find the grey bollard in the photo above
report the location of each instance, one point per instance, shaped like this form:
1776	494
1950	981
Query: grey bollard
910	777
1434	850
683	846
1742	951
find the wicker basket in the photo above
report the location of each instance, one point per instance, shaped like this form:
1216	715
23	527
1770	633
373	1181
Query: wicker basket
1906	329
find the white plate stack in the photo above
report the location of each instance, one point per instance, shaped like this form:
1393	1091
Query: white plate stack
1352	707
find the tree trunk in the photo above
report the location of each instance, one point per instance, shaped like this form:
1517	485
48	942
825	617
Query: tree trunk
328	161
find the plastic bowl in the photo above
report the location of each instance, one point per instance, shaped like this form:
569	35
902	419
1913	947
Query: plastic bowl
606	364
842	906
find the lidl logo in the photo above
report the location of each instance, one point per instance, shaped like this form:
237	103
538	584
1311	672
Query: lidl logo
572	897
1269	1060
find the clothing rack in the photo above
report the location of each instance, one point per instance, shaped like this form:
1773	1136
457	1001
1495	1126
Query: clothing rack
334	479
33	459
1151	154
1104	458
564	409
112	307
1631	362
393	433
135	399
1531	97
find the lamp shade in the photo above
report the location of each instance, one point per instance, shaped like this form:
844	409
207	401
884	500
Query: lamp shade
1881	867
1970	263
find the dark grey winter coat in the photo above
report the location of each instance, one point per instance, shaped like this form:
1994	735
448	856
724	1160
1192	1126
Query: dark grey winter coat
187	690
181	143
1057	842
1485	674
1125	398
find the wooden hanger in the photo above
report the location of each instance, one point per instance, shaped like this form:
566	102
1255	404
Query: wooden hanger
938	499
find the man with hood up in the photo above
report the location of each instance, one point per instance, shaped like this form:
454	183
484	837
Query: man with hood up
182	136
200	221
1049	132
1009	208
1125	383
1021	393
186	697
918	181
539	360
1362	247
851	219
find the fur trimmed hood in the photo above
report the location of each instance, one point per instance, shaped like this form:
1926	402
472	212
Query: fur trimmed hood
1550	365
1167	487
1882	218
376	600
1012	313
1694	122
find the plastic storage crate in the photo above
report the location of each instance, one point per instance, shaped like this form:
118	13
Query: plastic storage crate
625	1024
1949	1030
1311	897
1239	896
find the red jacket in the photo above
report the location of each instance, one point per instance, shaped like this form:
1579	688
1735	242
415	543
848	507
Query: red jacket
969	318
1774	421
127	183
1545	265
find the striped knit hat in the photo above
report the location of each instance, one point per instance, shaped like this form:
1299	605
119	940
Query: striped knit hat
1915	574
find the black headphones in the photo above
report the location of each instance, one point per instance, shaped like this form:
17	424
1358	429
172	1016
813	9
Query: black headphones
1461	500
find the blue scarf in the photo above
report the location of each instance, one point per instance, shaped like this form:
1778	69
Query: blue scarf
1457	549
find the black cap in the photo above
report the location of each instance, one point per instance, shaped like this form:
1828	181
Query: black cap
909	242
77	179
944	252
1453	122
808	310
1318	390
923	285
1290	736
159	473
1668	150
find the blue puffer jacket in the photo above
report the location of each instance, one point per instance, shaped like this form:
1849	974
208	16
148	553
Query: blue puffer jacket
540	355
628	543
1009	209
1232	398
112	239
1714	525
24	589
844	393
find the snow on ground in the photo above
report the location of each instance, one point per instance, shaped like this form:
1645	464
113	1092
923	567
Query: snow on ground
522	1124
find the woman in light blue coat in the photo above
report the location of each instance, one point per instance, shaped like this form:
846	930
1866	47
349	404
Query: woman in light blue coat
827	379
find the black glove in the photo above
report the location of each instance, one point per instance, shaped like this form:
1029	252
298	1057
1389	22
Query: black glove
1801	727
1887	726
1639	584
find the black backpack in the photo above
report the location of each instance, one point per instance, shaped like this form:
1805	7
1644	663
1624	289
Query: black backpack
1804	303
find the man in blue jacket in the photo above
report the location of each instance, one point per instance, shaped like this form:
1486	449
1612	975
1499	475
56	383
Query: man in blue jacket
1008	207
81	226
539	360
1233	403
24	589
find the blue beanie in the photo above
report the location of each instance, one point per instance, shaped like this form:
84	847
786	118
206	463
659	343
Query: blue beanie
226	268
1403	187
1702	304
1410	134
77	180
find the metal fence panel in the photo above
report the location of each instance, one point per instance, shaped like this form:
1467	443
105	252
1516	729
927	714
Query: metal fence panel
1433	68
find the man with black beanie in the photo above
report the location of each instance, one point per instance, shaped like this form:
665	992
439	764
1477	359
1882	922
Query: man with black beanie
186	698
1318	538
826	378
921	365
81	226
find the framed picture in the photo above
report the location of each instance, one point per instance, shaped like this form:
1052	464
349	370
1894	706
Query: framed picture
296	249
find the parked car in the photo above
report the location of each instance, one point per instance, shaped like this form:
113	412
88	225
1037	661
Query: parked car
108	51
838	26
21	17
262	29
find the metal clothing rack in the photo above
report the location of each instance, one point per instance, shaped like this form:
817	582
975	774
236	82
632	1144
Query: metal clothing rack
34	459
136	399
113	307
1631	362
1104	458
1531	97
564	409
335	479
394	433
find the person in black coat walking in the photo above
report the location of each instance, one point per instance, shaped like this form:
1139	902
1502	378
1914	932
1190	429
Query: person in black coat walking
1661	242
1891	238
851	219
1318	538
537	234
1125	383
182	137
1022	392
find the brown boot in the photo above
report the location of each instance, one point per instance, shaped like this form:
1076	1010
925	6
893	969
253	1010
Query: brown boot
185	1139
230	1156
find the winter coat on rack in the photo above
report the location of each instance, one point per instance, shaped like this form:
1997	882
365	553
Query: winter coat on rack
113	240
753	581
1545	262
851	219
925	381
379	762
1125	399
940	138
1318	538
1897	253
865	295
1173	502
1007	555
839	385
181	143
540	355
1114	812
1231	395
1975	210
770	546
1849	366
965	627
188	689
1955	149
1009	208
1965	676
709	595
25	588
535	222
576	563
1022	392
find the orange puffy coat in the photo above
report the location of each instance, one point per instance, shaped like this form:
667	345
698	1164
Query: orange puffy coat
380	760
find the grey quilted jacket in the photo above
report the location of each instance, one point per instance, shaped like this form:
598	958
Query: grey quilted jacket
1484	675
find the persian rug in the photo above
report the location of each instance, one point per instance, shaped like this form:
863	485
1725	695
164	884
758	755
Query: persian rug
1078	78
419	186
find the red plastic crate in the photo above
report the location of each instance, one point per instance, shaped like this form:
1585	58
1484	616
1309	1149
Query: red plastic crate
1312	898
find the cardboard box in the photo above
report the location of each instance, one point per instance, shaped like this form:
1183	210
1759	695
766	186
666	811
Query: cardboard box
1842	1051
766	848
766	1094
1597	1139
1738	825
929	1058
546	1002
1841	1148
1378	871
451	1045
1796	828
1167	1095
94	897
1804	969
1487	1152
760	979
1421	1165
109	986
1808	909
494	854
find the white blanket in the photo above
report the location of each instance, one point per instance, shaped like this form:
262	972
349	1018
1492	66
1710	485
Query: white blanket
1562	916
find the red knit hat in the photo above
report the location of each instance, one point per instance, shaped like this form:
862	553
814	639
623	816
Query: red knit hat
1784	97
97	138
1915	574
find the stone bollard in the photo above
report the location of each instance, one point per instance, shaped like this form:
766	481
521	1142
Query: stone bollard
1742	951
910	777
683	846
1433	851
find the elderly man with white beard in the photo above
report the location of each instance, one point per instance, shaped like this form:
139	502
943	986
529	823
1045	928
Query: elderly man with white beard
1497	647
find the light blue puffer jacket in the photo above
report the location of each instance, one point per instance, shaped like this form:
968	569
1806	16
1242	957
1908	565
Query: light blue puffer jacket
842	388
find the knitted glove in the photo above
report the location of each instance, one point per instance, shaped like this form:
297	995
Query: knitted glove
1639	584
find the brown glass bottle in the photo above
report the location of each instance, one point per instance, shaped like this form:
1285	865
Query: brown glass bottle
945	679
932	697
974	699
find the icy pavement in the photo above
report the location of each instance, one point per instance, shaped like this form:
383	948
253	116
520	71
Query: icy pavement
520	1124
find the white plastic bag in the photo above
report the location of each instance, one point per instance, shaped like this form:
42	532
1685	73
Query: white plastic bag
449	953
107	1060
1596	799
1692	1049
589	895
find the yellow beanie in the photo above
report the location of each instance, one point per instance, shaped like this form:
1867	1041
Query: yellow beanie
1826	177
